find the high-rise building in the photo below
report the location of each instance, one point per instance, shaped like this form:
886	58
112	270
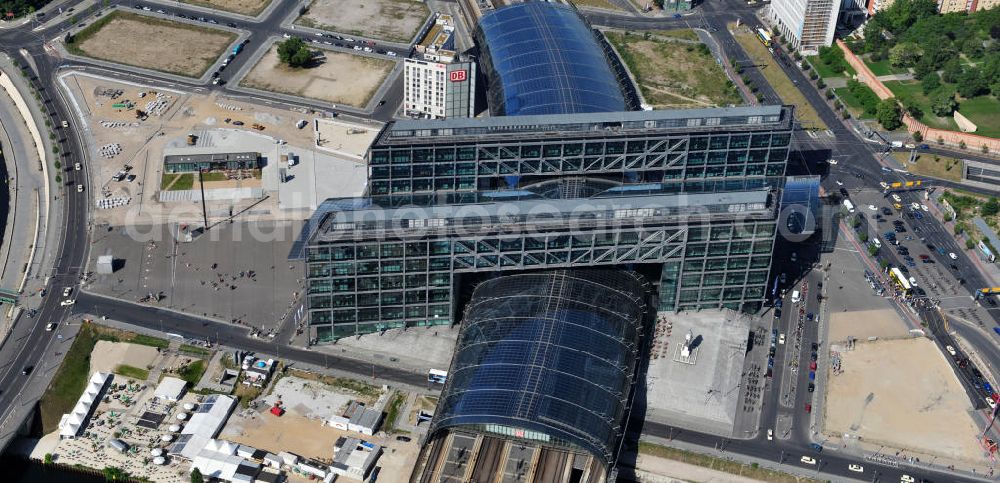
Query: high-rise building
436	84
692	195
808	24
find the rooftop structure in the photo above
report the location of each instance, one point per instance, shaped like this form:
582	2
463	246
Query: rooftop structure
71	423
547	358
543	58
170	389
218	459
204	425
438	45
354	458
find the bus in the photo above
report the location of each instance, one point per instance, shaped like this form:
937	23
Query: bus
764	37
900	279
437	376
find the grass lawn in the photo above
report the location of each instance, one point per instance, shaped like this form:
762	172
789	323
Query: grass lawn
780	82
683	34
827	72
718	464
192	372
985	112
133	372
70	380
213	177
392	411
883	68
672	74
194	350
852	102
605	4
911	91
177	182
942	167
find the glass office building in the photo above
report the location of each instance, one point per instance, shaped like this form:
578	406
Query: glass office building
547	358
707	150
371	268
543	58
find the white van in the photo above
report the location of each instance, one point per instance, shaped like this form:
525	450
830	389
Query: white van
795	296
876	242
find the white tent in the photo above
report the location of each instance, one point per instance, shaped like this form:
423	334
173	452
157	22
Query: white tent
70	424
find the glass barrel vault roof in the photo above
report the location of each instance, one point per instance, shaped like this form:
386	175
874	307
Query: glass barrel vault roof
545	60
552	354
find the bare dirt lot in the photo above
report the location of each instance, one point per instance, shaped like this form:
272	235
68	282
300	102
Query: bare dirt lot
180	48
879	399
245	7
391	20
674	73
341	78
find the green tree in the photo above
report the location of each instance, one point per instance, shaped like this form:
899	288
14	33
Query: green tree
951	70
48	458
913	109
888	114
943	103
905	54
991	207
930	83
971	83
196	476
917	136
294	52
112	473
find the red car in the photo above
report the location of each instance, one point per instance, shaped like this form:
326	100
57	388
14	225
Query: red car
812	366
809	408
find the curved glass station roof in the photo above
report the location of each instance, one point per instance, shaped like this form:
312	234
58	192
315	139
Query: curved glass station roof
548	357
542	58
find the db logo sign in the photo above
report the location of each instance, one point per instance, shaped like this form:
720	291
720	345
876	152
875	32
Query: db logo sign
457	75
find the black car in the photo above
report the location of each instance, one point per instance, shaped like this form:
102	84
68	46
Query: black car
815	346
812	387
381	103
215	74
231	25
844	192
886	211
405	439
338	44
27	370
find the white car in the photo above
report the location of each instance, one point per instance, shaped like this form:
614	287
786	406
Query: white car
913	281
872	207
884	185
953	256
807	460
390	53
925	208
357	47
915	206
840	183
906	479
950	349
346	39
781	339
79	188
832	161
991	402
67	291
67	302
856	468
287	36
770	434
77	166
896	198
795	257
50	327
